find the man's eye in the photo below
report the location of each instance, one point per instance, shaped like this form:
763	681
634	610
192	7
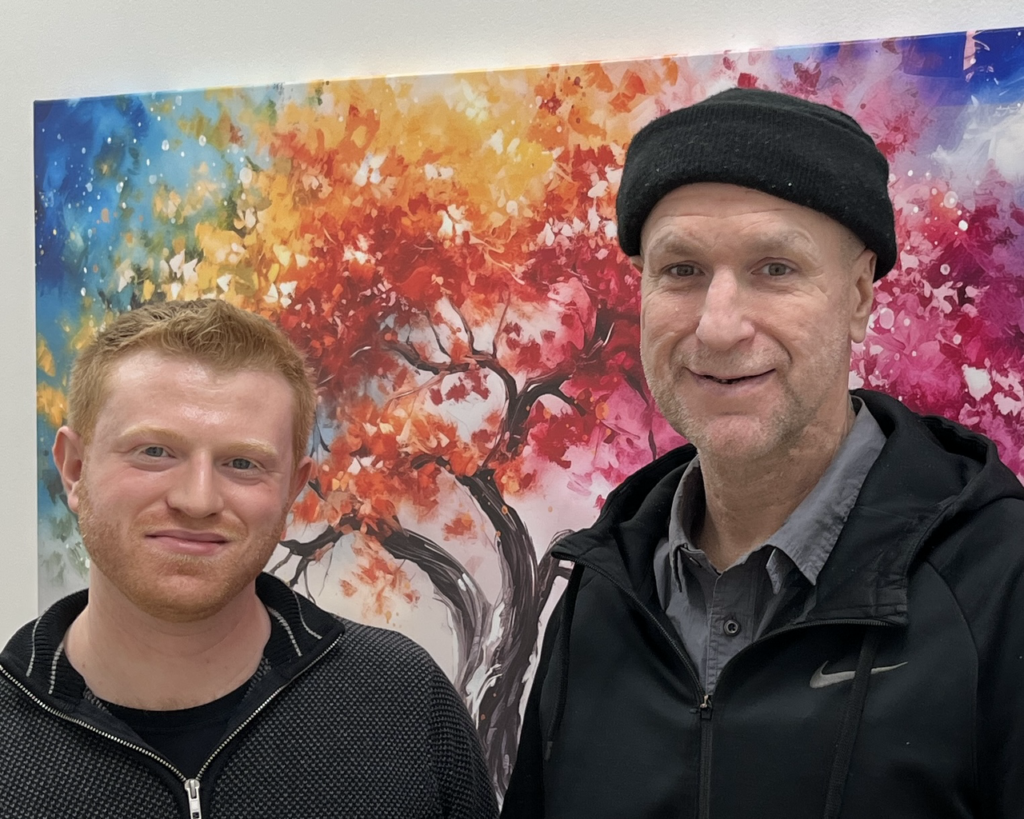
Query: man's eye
775	269
241	463
681	271
154	452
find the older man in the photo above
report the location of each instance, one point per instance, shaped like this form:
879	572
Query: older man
184	683
815	609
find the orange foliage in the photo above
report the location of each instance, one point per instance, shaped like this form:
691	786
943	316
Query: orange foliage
462	525
380	578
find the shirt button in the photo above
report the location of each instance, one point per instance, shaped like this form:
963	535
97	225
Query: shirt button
731	628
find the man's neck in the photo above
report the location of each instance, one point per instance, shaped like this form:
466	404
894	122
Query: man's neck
130	658
747	501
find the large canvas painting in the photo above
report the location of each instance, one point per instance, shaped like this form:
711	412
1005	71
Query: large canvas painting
443	247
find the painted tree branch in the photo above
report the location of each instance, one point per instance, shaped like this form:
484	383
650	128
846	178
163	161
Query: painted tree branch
457	589
412	357
638	387
306	551
498	708
471	340
519	625
437	338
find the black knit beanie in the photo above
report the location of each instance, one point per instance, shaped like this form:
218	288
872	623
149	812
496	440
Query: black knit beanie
797	150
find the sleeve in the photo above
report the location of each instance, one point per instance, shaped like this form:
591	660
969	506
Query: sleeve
985	571
465	787
524	798
1000	704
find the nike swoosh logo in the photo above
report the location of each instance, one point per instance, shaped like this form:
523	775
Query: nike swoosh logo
819	679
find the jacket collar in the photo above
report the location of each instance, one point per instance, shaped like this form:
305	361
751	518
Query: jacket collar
299	632
930	471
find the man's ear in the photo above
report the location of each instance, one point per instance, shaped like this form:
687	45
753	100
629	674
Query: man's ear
638	262
69	456
864	296
301	477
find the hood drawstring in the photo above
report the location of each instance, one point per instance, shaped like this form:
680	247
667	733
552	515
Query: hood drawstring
851	722
565	627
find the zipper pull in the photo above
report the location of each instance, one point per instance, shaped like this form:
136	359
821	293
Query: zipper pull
705	707
195	811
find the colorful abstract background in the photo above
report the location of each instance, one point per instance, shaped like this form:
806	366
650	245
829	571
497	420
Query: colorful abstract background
444	249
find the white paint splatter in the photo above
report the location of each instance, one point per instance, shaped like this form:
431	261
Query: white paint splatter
979	382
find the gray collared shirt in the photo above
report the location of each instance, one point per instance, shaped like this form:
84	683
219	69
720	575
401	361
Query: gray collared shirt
719	613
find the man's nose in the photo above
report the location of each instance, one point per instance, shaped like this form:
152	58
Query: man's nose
724	318
196	493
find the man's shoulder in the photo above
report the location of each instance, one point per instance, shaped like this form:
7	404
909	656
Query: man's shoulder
988	540
930	463
385	648
33	657
379	673
361	648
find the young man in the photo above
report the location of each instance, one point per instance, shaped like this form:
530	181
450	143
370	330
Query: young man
815	609
184	683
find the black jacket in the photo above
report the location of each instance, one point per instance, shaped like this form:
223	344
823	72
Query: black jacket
894	689
342	720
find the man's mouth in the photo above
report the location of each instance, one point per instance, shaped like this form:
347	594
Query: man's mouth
195	544
185	535
733	380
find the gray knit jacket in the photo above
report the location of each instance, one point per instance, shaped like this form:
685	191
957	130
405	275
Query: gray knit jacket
341	720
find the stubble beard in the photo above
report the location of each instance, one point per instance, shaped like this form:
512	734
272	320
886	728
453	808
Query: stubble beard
777	434
220	578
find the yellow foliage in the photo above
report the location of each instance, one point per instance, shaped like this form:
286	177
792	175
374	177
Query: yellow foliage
44	358
219	246
52	404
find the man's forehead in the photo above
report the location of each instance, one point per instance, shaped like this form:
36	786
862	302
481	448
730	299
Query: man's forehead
682	214
181	399
149	361
136	375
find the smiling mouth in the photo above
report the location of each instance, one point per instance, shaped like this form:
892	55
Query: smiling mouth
731	380
189	537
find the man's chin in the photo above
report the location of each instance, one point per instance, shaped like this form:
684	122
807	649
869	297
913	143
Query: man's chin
737	438
185	603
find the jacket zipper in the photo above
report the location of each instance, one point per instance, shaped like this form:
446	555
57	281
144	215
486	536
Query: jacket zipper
704	793
191	785
195	809
256	712
705	709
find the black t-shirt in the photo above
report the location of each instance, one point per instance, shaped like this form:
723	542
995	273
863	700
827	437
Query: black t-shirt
186	737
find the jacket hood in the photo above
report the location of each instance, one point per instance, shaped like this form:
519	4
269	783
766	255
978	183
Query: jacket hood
930	473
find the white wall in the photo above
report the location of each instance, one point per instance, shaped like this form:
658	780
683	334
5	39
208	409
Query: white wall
69	48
